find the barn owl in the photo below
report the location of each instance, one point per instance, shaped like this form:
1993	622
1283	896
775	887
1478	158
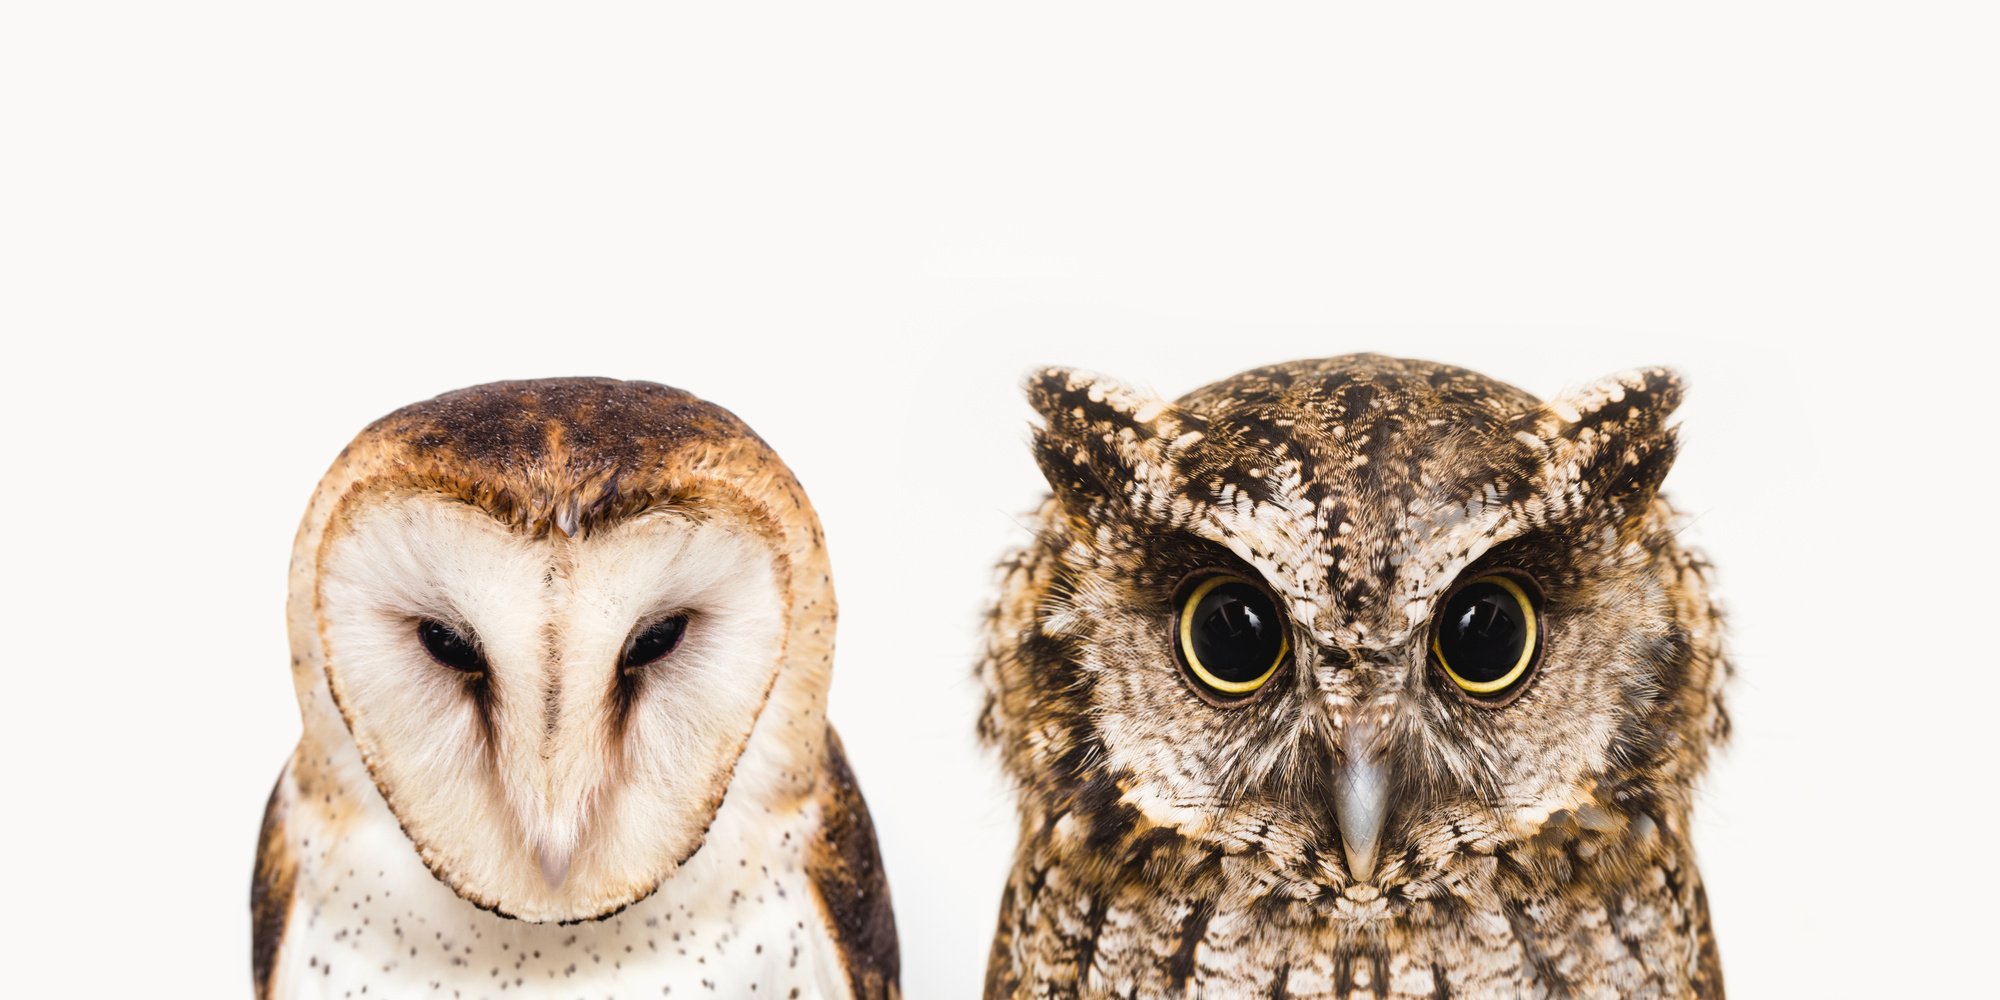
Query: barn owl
561	650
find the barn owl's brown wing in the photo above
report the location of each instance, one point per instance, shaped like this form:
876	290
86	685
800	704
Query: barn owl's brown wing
271	888
846	873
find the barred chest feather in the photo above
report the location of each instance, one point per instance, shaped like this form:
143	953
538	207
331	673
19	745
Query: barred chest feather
1162	916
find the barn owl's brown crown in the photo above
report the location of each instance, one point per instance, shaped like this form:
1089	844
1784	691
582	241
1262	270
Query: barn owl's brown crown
551	613
565	454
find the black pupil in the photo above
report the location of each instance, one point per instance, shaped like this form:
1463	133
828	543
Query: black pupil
450	648
656	641
1483	632
1235	632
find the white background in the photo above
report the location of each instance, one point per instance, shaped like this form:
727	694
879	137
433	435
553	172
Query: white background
232	235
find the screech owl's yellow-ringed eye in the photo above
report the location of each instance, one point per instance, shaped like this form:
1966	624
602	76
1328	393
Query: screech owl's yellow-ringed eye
1488	636
1230	635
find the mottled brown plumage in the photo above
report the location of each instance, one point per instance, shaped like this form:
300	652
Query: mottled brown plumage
1178	843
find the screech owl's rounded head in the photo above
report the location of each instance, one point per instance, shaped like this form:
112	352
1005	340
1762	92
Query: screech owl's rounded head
550	614
1240	618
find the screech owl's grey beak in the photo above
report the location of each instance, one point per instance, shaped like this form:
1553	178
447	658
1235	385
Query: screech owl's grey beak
1361	799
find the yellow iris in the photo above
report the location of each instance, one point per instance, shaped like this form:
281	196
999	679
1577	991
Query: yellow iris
1201	671
1527	610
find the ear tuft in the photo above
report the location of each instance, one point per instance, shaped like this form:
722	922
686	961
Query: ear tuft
1634	400
1607	441
1094	428
1070	396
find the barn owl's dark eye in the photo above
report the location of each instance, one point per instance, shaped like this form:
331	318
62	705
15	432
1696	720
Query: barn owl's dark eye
1230	634
654	641
1489	635
450	647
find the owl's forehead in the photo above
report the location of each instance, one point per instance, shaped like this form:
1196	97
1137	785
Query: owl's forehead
565	455
1358	485
1354	427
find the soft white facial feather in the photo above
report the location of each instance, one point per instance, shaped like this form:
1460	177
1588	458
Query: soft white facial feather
564	801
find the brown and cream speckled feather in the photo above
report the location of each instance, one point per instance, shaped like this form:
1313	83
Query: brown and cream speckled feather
1171	847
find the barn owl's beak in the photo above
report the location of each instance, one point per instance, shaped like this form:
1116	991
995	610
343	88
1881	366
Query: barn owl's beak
555	866
555	783
1361	799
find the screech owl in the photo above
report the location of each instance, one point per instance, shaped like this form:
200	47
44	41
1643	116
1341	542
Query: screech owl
1357	677
561	650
